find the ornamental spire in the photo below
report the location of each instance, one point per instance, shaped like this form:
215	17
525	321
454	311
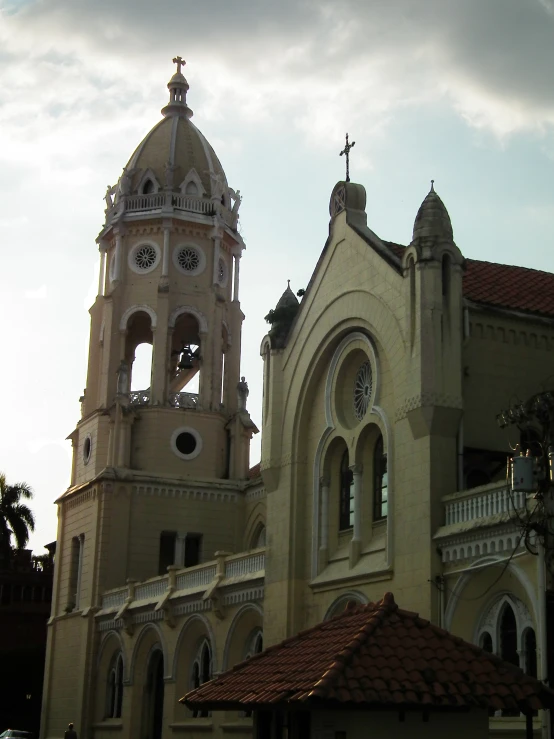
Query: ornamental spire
178	88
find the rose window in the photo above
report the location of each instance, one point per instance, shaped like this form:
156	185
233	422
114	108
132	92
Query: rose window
188	259
362	390
145	257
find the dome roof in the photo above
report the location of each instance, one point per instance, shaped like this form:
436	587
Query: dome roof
170	151
432	219
287	299
175	152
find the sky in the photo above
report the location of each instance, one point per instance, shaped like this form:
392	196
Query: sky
458	92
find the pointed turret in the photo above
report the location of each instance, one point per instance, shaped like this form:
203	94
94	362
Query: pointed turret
282	316
432	220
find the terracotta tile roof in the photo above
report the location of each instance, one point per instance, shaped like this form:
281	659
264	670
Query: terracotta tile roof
503	285
506	286
376	655
254	472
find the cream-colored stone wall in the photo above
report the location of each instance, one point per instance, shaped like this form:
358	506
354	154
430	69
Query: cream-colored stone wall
384	725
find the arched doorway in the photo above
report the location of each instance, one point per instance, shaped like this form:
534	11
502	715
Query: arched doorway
154	697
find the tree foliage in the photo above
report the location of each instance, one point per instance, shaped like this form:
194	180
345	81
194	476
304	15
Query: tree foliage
16	518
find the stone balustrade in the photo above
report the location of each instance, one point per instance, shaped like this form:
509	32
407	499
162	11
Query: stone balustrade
139	397
184	400
244	564
169	201
482	502
248	565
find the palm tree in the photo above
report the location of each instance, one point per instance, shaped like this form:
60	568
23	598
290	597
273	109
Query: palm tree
15	517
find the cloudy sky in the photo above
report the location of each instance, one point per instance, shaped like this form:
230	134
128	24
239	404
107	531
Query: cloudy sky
461	92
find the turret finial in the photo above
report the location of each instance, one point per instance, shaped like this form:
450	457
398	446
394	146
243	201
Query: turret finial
432	181
178	88
180	62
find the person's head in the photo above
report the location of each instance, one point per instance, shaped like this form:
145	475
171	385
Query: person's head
70	727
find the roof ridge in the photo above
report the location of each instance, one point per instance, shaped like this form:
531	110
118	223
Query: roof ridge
377	613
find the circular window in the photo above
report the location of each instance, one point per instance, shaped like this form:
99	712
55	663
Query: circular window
189	259
87	449
354	385
363	385
143	258
186	442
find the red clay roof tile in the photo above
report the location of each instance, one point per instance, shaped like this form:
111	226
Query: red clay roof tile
344	660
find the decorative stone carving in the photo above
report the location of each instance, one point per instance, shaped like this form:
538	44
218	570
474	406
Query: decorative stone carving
243	392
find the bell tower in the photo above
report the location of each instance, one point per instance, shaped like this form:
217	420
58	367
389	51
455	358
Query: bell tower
169	278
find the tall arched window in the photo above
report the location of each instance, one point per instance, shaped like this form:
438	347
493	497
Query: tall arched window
508	636
486	642
346	495
530	648
380	482
201	672
115	687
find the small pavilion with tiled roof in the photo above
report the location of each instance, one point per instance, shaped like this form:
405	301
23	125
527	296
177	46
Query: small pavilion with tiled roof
374	668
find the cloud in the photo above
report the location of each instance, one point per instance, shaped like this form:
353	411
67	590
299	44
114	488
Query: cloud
39	294
318	64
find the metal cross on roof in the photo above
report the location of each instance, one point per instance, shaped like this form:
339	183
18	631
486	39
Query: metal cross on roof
346	151
179	62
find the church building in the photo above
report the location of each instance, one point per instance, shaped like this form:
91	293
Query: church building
383	466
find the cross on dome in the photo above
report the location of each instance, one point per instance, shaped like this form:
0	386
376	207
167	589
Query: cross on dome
346	151
180	62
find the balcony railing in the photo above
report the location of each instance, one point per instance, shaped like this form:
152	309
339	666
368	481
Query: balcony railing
169	201
184	400
249	565
139	397
481	503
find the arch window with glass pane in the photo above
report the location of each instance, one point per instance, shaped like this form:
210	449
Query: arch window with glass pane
380	481
115	687
346	497
201	673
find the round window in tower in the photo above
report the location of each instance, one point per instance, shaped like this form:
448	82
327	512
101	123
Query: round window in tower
189	259
363	385
144	258
186	442
87	449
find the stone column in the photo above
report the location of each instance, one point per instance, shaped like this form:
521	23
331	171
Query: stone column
324	484
118	257
236	279
101	273
165	256
356	543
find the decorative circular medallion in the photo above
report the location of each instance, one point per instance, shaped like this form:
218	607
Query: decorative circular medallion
189	259
144	258
186	442
363	385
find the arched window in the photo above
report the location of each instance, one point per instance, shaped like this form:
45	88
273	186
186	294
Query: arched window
346	495
530	652
486	642
115	687
255	644
445	265
148	187
508	636
259	537
191	188
201	673
380	482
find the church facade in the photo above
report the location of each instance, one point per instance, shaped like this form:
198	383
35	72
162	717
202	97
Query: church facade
383	467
